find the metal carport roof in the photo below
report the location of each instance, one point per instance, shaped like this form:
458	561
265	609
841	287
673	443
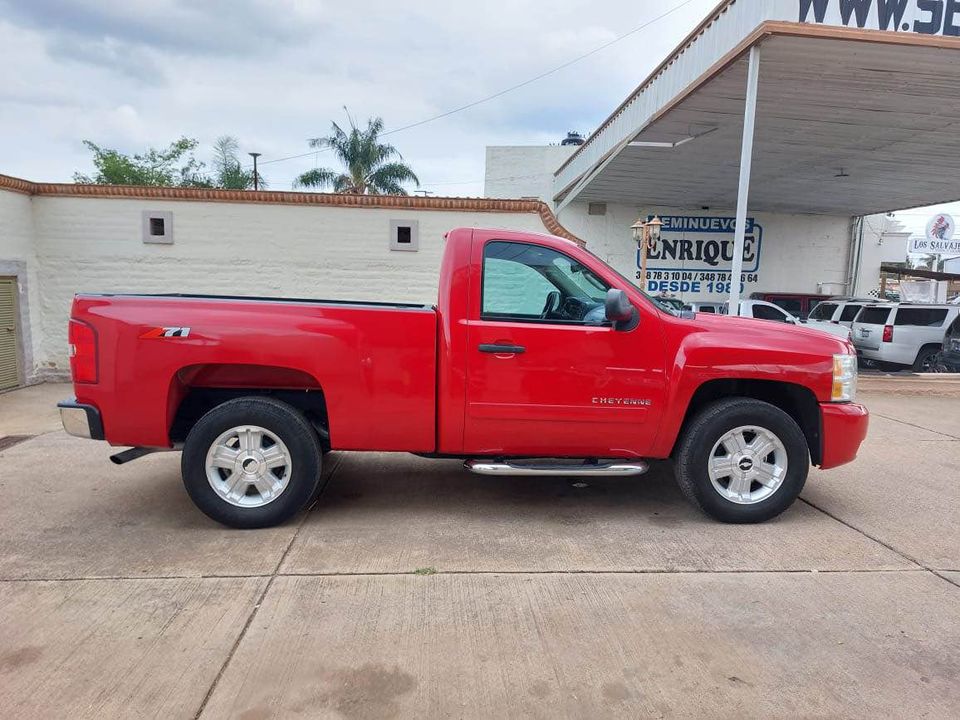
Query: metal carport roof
848	121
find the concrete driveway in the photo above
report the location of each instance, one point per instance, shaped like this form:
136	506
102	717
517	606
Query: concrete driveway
415	590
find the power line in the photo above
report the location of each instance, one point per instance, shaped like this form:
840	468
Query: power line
510	89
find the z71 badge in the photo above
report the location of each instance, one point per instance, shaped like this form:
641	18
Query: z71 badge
166	332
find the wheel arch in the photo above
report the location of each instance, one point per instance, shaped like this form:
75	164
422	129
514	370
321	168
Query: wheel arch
936	347
797	401
197	389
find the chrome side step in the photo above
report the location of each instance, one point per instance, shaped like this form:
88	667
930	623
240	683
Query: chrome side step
585	469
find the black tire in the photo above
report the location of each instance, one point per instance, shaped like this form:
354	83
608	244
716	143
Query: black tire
706	428
927	359
284	421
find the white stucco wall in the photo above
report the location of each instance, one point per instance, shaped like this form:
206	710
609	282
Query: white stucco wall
88	244
514	171
18	259
884	240
798	253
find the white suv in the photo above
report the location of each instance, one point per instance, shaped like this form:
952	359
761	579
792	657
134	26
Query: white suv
839	310
902	335
763	310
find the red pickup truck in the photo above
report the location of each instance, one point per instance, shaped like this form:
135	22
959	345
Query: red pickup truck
539	358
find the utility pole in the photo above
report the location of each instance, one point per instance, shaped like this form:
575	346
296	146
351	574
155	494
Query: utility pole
256	177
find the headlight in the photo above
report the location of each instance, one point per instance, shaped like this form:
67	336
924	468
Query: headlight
844	378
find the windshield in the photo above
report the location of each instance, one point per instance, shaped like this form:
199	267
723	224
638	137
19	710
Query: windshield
666	307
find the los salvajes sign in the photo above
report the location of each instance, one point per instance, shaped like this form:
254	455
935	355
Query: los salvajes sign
695	253
938	239
927	17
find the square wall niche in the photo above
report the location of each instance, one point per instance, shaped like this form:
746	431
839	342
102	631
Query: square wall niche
405	235
157	227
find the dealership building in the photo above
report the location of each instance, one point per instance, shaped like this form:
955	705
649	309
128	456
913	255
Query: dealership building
813	118
782	128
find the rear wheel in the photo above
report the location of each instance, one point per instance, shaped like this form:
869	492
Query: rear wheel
251	462
742	460
927	359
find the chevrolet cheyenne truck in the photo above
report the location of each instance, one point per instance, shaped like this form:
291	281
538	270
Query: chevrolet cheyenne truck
538	359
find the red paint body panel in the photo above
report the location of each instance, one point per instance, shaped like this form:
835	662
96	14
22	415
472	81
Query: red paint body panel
844	427
411	378
375	364
547	400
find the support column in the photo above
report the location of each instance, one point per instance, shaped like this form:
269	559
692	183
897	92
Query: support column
743	191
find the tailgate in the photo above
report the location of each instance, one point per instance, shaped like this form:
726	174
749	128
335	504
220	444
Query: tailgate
867	336
868	326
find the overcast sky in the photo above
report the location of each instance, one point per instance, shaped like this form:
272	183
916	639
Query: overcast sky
133	73
129	74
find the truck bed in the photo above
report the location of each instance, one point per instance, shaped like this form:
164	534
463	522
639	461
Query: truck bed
374	363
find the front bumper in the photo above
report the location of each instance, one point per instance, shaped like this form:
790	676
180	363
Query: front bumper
843	427
80	419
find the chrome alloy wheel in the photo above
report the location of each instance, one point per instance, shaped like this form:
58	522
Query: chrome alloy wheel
248	466
747	465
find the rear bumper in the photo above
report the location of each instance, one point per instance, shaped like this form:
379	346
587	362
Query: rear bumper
81	420
843	427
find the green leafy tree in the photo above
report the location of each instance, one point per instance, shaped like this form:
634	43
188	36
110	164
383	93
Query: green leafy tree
227	170
369	166
173	166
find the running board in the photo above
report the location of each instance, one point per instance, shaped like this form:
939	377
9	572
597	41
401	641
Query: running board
133	453
586	469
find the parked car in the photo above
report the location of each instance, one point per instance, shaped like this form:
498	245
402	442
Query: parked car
763	310
950	354
797	304
539	359
895	336
839	310
707	306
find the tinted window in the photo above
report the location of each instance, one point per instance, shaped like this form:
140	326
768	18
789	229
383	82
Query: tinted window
874	315
823	311
530	282
707	309
849	312
794	306
923	317
765	312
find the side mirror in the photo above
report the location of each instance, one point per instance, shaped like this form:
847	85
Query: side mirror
617	307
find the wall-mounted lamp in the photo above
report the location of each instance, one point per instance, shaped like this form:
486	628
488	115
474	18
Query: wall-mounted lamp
646	234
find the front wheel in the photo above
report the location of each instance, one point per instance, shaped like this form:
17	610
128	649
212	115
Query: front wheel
251	462
742	460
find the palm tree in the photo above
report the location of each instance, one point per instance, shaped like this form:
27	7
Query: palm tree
369	164
228	173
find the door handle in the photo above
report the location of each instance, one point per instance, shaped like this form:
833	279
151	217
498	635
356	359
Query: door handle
501	349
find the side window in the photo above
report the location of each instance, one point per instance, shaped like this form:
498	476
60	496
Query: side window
529	282
794	306
920	317
823	311
707	309
849	312
765	312
873	316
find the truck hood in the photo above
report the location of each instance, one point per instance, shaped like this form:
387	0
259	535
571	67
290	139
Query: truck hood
748	333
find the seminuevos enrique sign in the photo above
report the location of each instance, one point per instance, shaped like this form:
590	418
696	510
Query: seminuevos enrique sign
695	253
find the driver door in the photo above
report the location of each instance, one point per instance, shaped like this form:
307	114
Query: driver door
550	377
